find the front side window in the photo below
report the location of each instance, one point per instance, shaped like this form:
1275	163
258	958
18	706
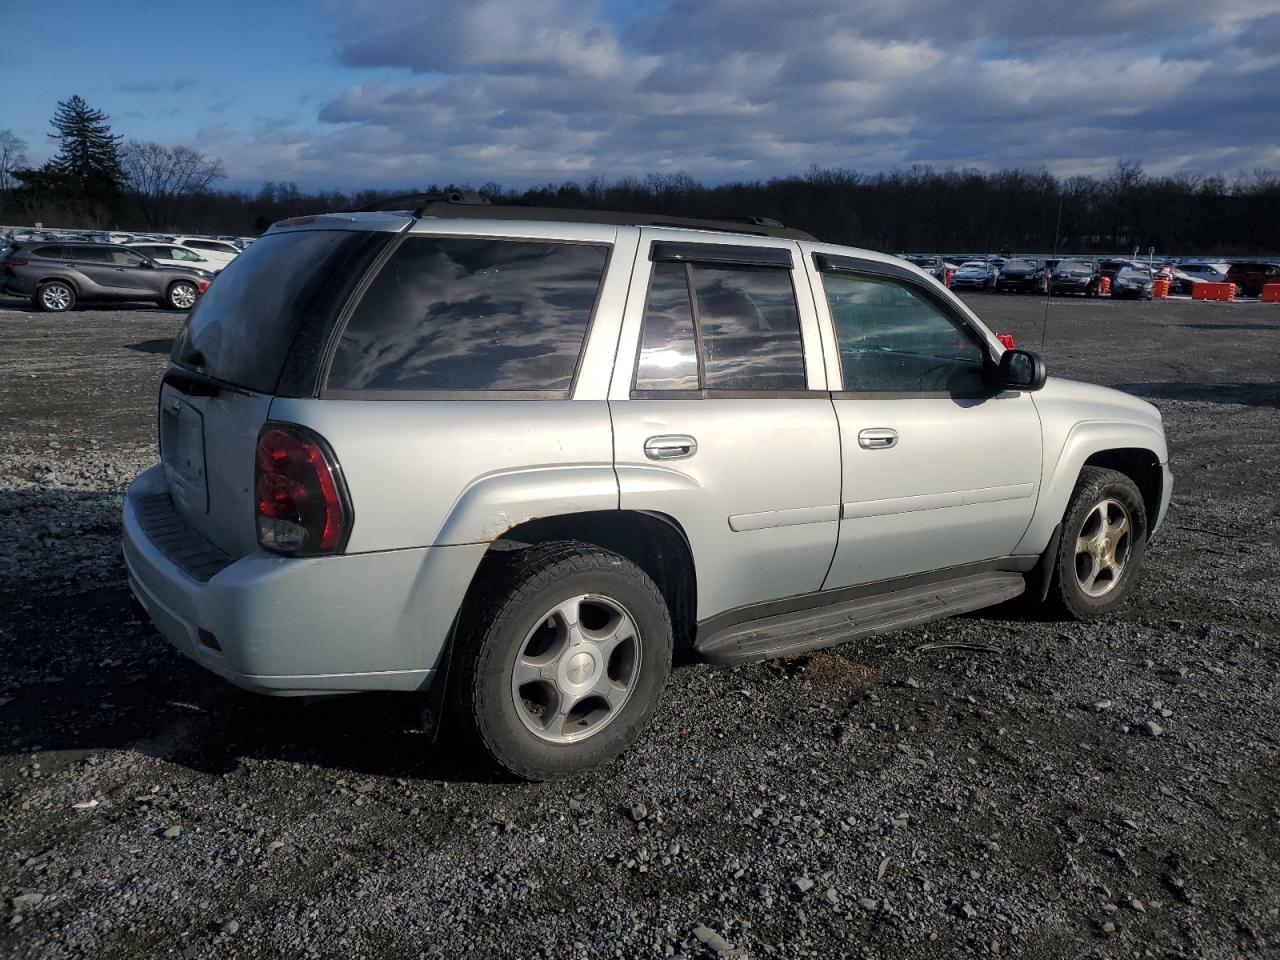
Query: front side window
894	340
743	319
460	314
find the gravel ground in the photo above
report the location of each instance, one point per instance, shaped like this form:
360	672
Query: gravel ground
992	784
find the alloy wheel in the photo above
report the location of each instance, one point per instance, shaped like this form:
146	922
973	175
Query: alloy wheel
56	297
1103	547
182	296
576	669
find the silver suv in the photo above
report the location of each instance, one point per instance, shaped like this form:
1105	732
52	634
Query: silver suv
515	457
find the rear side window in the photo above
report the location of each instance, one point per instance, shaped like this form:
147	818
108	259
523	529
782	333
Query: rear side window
464	314
747	328
750	328
49	253
291	284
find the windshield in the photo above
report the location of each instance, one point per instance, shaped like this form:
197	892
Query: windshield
1134	273
1073	266
973	265
241	330
1019	265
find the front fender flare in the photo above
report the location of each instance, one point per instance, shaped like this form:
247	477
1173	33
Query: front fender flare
1083	440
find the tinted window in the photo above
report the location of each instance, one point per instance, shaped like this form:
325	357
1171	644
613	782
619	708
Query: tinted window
88	254
49	253
449	313
668	351
291	284
749	328
893	340
125	258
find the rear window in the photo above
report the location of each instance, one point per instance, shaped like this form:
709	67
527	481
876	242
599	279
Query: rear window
291	283
464	314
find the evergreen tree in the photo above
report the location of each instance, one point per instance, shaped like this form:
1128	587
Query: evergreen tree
87	166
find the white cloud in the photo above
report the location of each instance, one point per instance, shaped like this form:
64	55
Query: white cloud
550	89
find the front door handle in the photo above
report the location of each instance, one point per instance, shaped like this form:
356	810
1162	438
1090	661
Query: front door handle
877	438
670	447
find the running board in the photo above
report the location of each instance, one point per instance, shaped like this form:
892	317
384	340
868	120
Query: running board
826	626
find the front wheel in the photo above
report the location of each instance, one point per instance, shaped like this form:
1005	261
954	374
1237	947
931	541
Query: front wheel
181	295
1104	539
560	660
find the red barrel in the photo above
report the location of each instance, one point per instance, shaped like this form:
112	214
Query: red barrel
1104	286
1160	287
949	276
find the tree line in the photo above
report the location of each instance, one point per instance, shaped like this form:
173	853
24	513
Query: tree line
97	180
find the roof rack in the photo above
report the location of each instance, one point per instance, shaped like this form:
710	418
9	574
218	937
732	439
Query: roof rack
468	205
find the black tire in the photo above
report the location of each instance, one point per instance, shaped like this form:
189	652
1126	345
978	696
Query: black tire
517	591
174	298
56	296
1094	486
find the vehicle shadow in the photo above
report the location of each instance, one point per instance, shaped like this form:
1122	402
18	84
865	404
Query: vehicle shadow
109	682
79	673
1246	394
162	345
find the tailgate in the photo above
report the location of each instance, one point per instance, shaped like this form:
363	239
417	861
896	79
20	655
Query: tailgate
207	447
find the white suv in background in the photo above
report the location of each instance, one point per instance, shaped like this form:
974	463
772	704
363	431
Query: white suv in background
176	255
218	252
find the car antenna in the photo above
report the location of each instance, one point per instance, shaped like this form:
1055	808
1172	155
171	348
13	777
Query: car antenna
1048	277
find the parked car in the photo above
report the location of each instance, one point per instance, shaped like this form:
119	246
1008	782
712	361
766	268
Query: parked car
976	273
1071	276
1209	271
1251	277
1132	282
714	485
176	255
58	275
215	251
934	266
1108	269
1026	276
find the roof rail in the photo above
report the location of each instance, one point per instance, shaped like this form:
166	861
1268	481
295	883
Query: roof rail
413	202
447	207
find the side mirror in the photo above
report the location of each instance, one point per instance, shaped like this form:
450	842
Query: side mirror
148	265
1021	370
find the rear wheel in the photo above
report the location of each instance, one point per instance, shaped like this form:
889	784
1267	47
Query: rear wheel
561	659
181	295
1104	539
55	297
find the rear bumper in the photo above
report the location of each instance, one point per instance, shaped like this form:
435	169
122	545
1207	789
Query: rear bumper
286	626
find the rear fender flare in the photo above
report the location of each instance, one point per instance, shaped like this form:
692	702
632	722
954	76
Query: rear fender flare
492	505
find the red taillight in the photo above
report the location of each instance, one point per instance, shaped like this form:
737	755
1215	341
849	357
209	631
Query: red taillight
1006	339
302	502
203	285
13	263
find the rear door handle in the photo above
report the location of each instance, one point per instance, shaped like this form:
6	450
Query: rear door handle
670	447
877	438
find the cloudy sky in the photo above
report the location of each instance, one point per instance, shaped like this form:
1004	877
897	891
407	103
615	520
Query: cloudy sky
406	92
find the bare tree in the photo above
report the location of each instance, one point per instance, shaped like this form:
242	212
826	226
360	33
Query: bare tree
158	176
13	157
